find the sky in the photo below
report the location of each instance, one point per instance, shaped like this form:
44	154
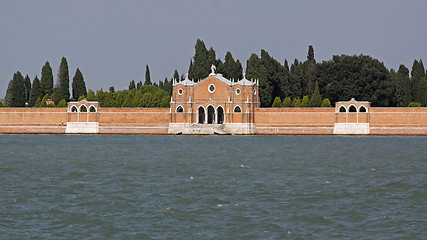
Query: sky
111	42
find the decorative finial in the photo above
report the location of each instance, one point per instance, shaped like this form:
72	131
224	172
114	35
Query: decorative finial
213	68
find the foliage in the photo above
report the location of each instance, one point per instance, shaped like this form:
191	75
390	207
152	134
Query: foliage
316	99
296	102
414	104
202	61
287	102
62	103
16	93
63	83
305	102
27	84
47	79
43	101
131	85
38	102
91	96
419	82
78	85
147	76
82	97
326	103
277	103
35	92
232	69
361	77
147	96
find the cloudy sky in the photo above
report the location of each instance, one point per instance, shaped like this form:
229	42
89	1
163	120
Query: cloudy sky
112	41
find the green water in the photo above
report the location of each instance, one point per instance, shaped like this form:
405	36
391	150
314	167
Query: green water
212	187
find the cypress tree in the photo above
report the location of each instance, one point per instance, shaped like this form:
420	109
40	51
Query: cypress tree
147	76
27	83
310	55
35	92
131	85
47	79
79	86
63	84
277	103
91	96
287	102
175	76
305	101
16	94
402	86
316	99
326	103
200	68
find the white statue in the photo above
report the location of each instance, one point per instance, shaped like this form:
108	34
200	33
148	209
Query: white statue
213	68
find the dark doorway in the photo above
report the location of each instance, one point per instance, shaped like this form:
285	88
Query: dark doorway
220	117
201	112
211	115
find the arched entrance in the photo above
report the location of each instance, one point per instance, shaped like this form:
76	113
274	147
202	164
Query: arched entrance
201	112
211	115
220	118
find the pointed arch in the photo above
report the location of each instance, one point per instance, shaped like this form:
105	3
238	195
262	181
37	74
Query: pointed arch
342	109
83	108
211	114
92	109
201	115
220	115
362	109
74	109
352	109
237	109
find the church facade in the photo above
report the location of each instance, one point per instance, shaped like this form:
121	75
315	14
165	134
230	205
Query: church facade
215	105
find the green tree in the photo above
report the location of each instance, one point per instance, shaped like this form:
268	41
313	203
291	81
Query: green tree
47	79
82	97
277	103
419	82
35	92
43	102
305	101
62	103
27	83
91	96
16	94
200	67
287	102
232	69
316	99
38	102
310	55
79	85
132	85
402	93
63	84
361	77
147	76
414	104
296	102
326	103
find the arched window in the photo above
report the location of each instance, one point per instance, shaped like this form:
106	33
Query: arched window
352	109
362	109
92	109
83	108
73	109
179	109
237	109
201	112
220	117
342	109
211	115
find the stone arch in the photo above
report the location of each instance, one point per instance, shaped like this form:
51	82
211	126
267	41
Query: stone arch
201	115
74	109
342	109
83	108
362	109
92	109
352	109
237	109
220	115
179	109
211	114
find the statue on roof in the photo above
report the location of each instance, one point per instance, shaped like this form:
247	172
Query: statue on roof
213	68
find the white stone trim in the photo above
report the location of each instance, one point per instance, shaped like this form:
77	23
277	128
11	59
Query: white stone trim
342	106
349	106
209	88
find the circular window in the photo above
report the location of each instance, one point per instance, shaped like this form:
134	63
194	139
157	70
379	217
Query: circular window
180	91
238	91
254	91
211	88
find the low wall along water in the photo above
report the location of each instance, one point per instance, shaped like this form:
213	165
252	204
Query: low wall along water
274	121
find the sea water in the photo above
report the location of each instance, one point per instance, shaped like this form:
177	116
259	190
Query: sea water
212	187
